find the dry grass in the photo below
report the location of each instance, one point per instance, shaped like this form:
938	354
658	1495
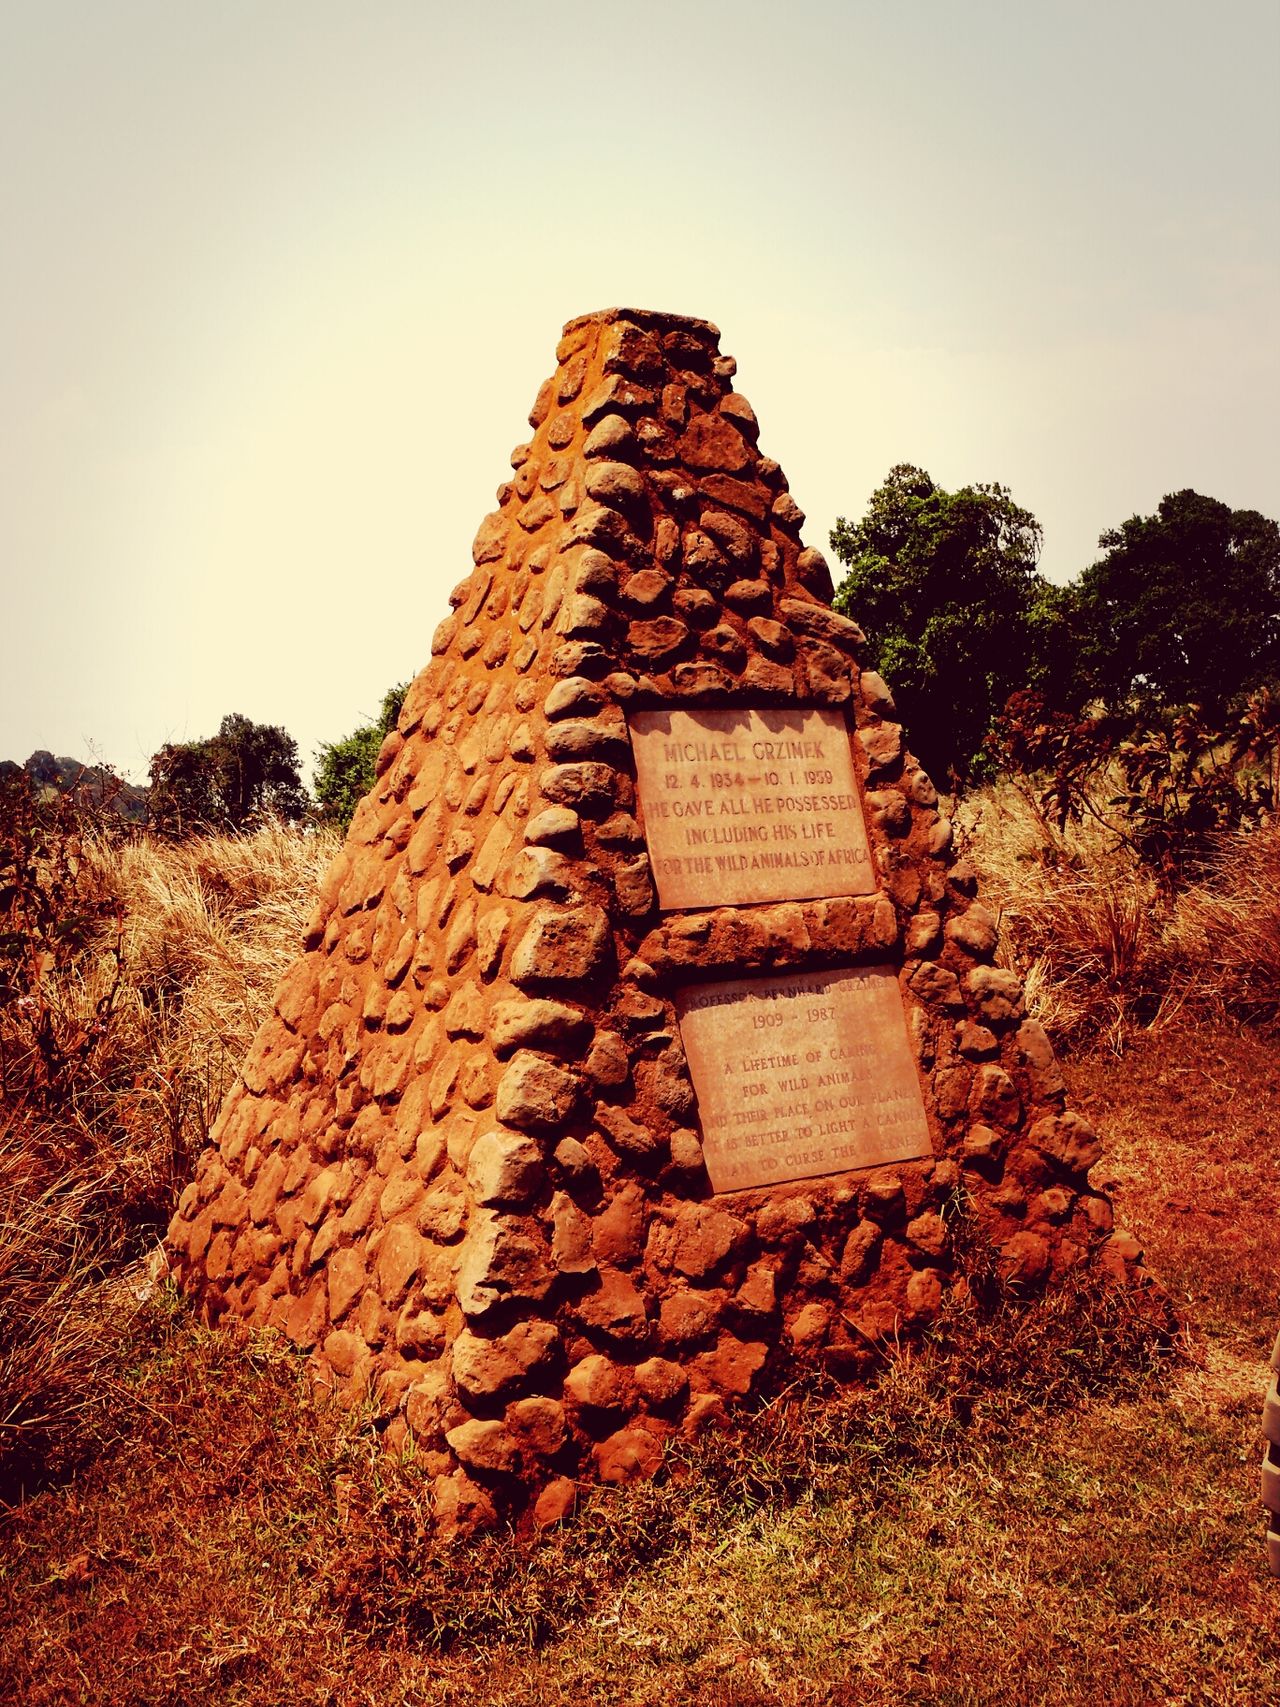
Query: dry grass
1034	1508
87	1185
59	1298
1228	926
1101	950
209	927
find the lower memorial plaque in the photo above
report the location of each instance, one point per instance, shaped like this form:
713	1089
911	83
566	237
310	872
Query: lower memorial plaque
802	1075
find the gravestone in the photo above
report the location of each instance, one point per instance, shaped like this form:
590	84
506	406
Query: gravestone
646	1036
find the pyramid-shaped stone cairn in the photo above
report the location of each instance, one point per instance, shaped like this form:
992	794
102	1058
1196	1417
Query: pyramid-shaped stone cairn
646	1027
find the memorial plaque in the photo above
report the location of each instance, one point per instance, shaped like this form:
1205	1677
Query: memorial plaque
750	806
804	1075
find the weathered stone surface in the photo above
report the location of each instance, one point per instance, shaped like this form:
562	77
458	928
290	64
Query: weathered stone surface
702	1238
538	1023
487	1447
348	1273
505	1167
994	1097
1024	1260
687	1316
575	696
562	947
608	1065
587	786
502	1257
539	870
973	930
443	1211
646	588
617	484
554	824
484	1367
555	1503
656	639
616	1307
660	1382
595	1382
712	443
1046	1078
613	437
601	737
1069	1139
631	1137
996	992
630	1455
538	1424
536	1095
571	1244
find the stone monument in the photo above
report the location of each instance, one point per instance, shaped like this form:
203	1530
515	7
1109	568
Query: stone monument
646	1034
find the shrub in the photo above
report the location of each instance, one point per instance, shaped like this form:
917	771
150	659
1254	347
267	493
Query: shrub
57	917
1165	786
345	769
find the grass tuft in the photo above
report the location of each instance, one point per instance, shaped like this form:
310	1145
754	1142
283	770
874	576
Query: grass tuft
88	1178
1101	949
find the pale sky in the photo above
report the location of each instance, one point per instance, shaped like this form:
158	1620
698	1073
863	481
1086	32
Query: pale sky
280	282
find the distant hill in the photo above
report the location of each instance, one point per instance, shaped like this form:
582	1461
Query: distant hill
98	782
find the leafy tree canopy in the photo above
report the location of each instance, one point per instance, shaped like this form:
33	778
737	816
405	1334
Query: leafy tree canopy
345	768
1183	607
946	586
245	772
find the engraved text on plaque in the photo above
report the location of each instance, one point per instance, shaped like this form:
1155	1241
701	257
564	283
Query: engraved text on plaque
744	806
802	1075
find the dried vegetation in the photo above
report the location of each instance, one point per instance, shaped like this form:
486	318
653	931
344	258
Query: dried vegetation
1105	949
115	1060
1043	1504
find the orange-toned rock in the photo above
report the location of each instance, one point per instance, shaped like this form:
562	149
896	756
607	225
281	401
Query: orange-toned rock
595	1382
555	1502
630	1455
484	1367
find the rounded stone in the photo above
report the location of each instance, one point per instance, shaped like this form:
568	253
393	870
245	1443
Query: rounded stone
553	824
504	1167
612	436
561	946
630	1455
485	1367
595	1383
555	1503
660	1382
488	1447
537	1023
535	1095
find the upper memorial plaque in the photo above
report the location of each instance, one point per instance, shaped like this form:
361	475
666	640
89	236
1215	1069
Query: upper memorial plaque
743	806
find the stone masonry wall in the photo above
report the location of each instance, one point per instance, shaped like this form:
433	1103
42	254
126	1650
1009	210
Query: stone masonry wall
462	1163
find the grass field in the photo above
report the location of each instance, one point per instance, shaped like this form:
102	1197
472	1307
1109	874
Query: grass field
1037	1507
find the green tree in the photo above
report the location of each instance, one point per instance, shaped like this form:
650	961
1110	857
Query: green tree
246	772
345	768
946	586
1183	607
